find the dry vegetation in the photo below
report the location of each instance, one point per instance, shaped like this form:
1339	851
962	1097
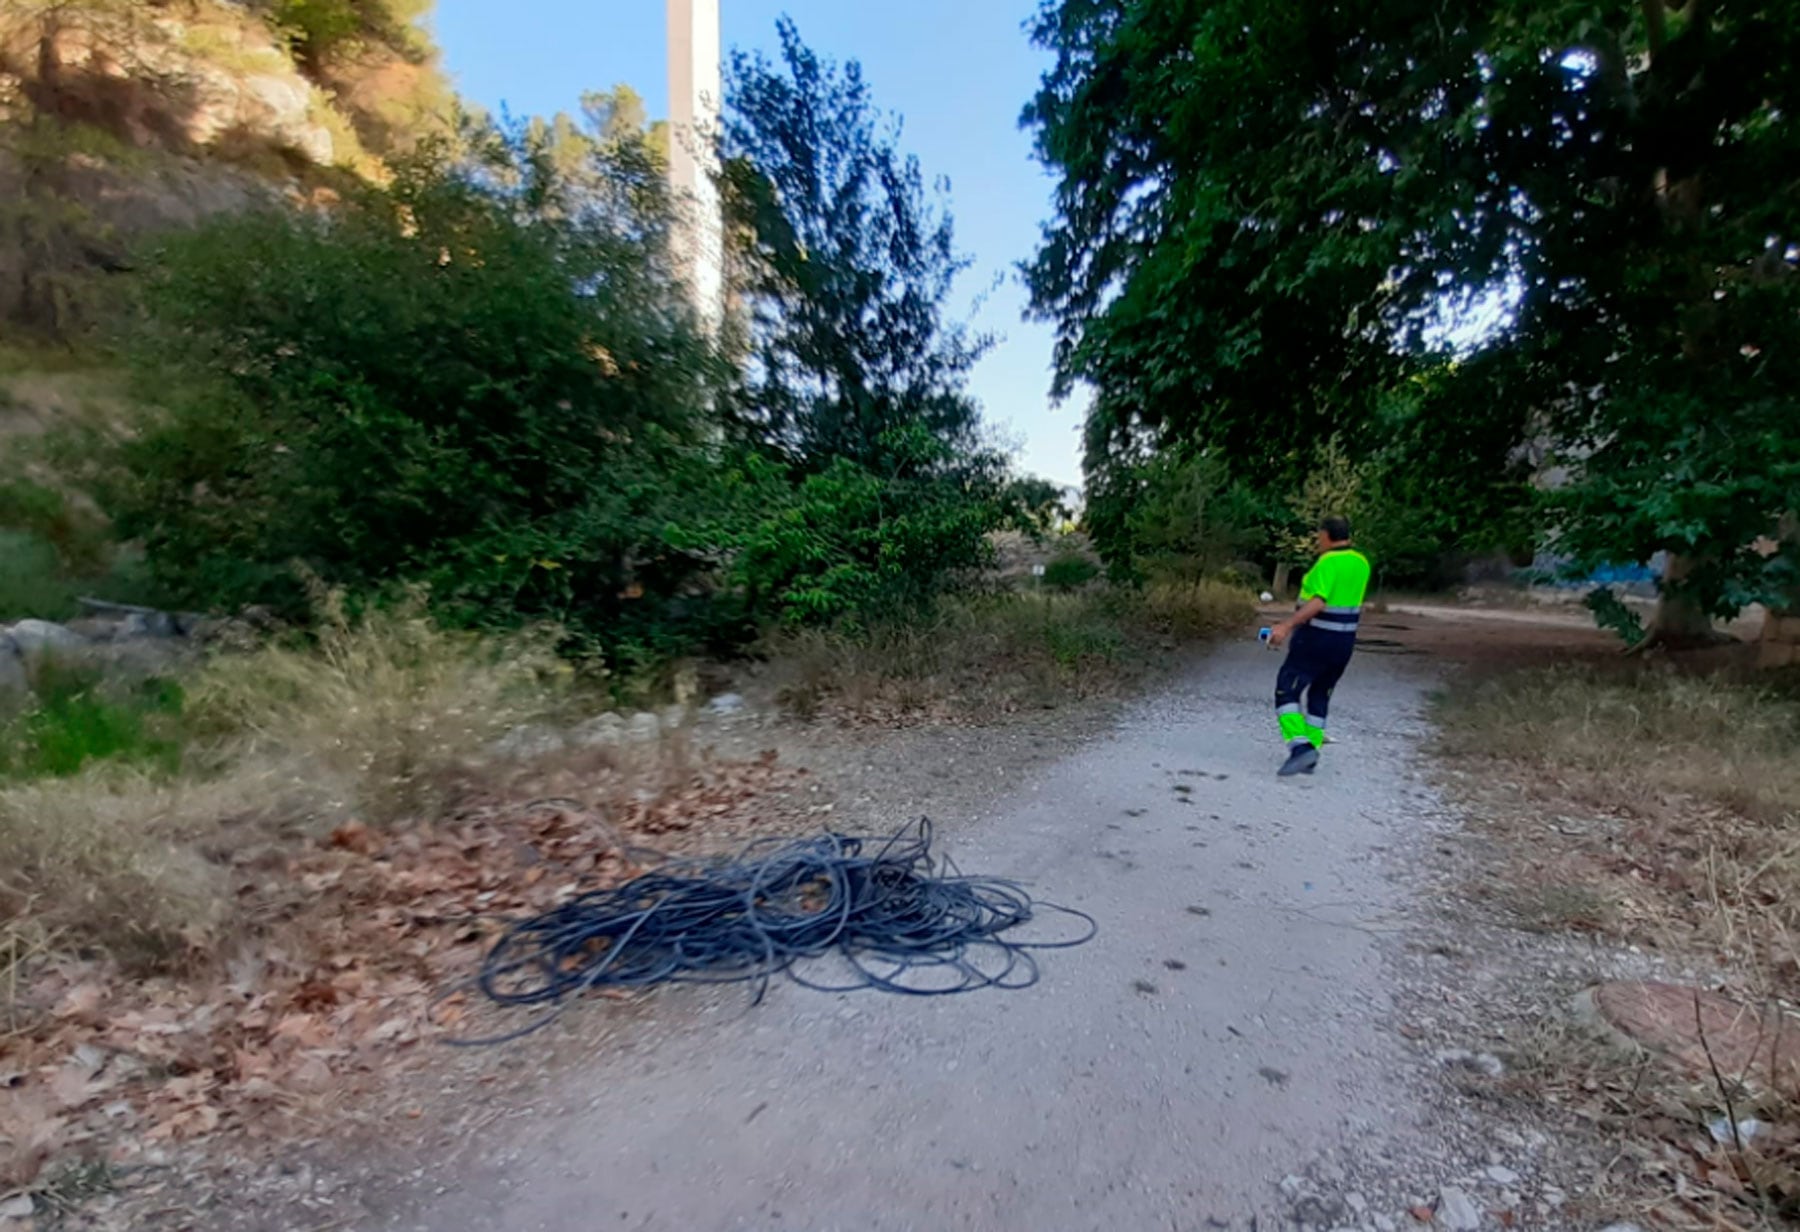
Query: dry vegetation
219	946
1686	791
981	660
227	941
1659	809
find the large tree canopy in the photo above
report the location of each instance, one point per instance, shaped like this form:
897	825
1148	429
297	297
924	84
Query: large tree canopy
1269	215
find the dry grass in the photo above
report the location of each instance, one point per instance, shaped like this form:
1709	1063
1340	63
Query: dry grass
1635	740
1700	780
1659	809
981	660
1200	609
381	712
109	860
379	720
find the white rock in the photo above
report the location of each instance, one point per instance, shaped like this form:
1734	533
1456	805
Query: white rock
1357	1203
1385	1223
38	637
14	680
530	740
726	704
1622	1226
643	728
1502	1175
19	1206
1476	1062
1456	1211
674	718
601	731
1723	1133
148	624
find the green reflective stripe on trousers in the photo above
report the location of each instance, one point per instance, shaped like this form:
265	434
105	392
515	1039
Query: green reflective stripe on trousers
1294	729
1316	735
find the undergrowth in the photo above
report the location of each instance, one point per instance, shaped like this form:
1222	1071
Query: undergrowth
1661	810
78	718
1635	739
981	659
122	812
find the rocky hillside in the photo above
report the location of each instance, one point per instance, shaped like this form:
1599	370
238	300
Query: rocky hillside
119	117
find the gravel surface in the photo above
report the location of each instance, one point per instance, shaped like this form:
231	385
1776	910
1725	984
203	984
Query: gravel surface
1238	1048
1292	1015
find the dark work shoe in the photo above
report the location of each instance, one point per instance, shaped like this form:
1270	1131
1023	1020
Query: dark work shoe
1300	761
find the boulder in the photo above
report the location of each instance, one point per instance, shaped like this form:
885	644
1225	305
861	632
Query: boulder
603	731
14	680
36	639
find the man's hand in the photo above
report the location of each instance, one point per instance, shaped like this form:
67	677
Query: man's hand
1279	635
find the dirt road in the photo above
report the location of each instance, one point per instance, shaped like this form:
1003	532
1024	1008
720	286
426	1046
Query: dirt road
1227	1027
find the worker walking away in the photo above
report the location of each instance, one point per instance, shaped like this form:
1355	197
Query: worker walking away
1320	637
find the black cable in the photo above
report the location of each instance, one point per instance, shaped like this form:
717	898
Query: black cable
902	923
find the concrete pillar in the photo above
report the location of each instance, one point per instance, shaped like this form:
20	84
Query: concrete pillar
695	95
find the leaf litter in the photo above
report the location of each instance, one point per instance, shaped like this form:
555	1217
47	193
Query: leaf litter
351	938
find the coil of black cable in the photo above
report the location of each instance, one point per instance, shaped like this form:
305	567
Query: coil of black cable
890	914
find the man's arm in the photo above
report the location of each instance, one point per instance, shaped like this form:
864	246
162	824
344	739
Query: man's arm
1281	632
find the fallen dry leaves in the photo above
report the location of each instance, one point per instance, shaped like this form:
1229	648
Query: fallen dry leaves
331	989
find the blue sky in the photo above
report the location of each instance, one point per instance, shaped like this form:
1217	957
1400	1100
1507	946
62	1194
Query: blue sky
958	71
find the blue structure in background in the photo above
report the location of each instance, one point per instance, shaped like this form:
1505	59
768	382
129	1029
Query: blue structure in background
1554	571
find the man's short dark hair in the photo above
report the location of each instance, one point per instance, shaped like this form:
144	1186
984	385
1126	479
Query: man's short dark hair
1336	529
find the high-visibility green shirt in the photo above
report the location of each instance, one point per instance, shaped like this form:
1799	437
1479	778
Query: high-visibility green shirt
1341	578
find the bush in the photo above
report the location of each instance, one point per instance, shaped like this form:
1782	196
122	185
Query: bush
853	544
77	720
1069	572
436	385
1198	609
977	659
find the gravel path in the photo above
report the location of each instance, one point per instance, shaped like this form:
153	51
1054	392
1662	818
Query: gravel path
1224	1054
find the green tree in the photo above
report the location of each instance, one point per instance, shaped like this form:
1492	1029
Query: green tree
1187	518
848	265
1269	220
446	383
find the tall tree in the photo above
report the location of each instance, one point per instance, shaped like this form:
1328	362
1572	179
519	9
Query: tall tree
848	265
1268	215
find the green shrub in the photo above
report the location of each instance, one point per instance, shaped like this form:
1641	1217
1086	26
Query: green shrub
32	582
429	387
77	720
1070	571
851	544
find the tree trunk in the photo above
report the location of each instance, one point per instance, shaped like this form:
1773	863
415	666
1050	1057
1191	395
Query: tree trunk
1780	645
1680	623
